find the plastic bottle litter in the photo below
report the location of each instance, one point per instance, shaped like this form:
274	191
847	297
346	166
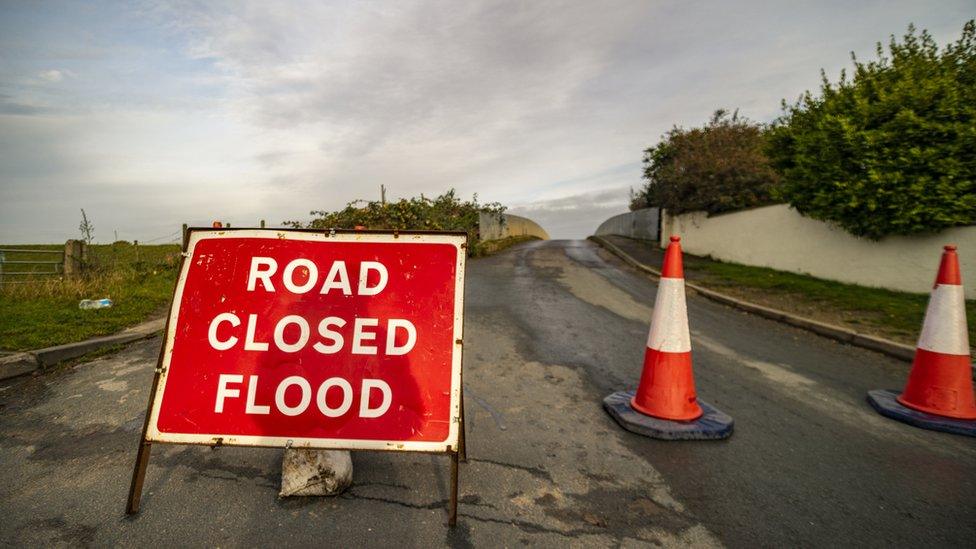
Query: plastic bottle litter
103	303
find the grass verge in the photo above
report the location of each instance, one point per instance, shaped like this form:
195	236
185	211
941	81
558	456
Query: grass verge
489	247
896	315
44	311
890	314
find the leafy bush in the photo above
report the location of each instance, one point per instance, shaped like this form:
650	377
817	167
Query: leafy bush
892	150
447	212
719	167
638	199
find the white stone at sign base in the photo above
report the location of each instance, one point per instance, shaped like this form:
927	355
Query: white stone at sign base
307	472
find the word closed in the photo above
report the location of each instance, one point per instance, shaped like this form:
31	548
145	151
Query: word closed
347	340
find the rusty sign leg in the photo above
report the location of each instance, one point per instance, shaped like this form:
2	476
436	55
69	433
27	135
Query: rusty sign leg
462	443
452	506
142	456
459	455
145	447
138	476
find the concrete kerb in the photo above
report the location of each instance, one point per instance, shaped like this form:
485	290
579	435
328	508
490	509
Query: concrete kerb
27	362
837	333
17	364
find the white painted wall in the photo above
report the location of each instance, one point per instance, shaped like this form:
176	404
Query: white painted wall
494	227
641	224
780	238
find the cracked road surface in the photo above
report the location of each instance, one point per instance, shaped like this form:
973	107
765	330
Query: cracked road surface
551	328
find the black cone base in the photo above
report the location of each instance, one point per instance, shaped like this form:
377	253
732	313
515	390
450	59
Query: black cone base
886	404
712	425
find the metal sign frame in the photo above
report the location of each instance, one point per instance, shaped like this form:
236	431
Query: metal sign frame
454	445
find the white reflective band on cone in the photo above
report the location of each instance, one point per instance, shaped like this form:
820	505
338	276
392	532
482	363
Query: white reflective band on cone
669	323
944	328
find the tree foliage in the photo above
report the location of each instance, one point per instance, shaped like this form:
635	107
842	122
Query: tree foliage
446	212
891	149
718	167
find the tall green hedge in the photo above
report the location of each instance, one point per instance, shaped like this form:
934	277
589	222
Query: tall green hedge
892	148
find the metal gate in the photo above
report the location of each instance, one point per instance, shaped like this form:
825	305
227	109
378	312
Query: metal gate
20	265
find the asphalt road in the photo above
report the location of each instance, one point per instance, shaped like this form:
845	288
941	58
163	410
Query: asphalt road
551	328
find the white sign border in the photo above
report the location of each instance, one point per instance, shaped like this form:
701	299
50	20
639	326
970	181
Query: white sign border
450	444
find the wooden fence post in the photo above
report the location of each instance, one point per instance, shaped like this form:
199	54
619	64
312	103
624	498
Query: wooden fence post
74	255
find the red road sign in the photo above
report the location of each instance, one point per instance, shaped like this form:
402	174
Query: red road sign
314	339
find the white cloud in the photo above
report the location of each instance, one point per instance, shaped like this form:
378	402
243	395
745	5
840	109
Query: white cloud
576	215
52	75
248	110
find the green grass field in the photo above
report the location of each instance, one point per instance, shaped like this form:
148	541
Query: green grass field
44	310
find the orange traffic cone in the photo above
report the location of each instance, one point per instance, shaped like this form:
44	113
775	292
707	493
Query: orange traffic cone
667	386
665	404
939	393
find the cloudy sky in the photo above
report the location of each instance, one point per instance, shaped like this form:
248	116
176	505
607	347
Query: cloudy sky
149	115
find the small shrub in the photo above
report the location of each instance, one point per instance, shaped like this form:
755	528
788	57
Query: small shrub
446	212
719	167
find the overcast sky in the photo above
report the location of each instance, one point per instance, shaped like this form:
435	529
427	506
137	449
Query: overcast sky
149	115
